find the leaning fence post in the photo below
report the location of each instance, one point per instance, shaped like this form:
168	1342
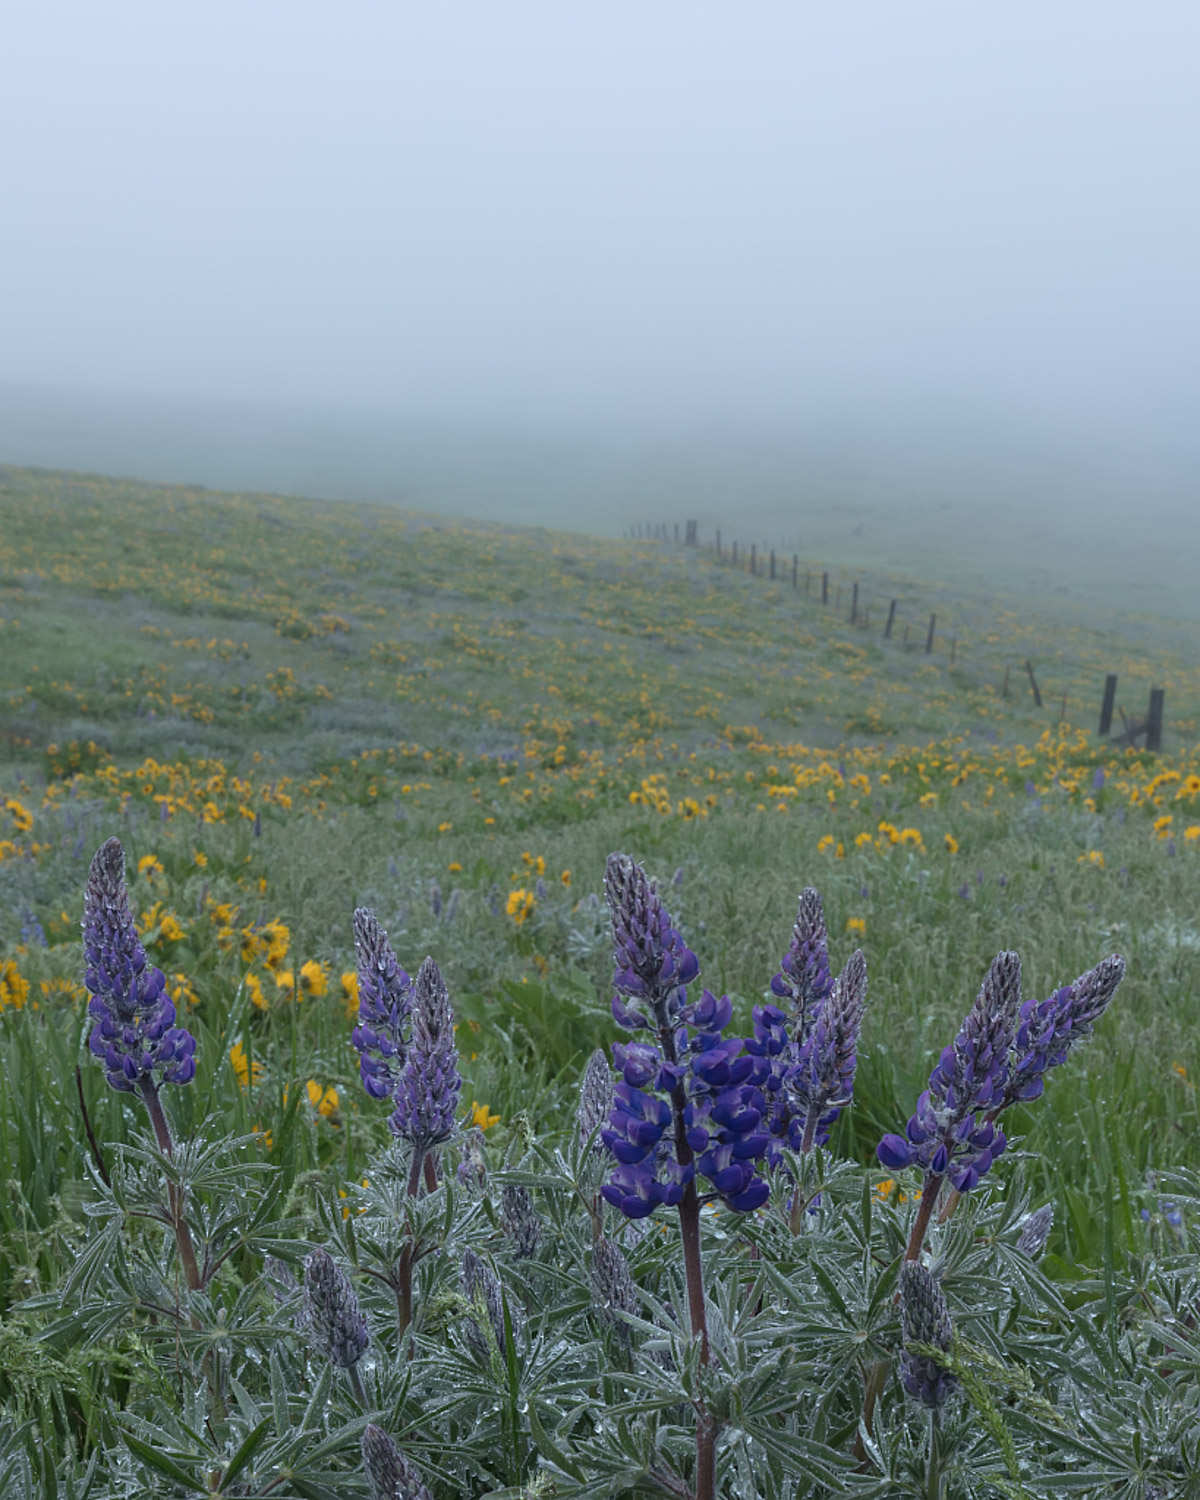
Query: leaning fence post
854	604
887	629
1106	708
929	637
1037	696
1154	718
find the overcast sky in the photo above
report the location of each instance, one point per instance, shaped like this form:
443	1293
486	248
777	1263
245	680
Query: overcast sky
670	213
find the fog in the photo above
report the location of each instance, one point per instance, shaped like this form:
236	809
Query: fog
594	264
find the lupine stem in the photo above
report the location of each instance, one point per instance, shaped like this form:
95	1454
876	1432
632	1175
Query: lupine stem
183	1235
929	1197
693	1271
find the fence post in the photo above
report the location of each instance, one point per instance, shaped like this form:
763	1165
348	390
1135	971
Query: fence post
689	534
795	568
735	560
677	533
824	588
772	563
887	629
1154	718
1004	688
718	544
1110	697
1037	696
854	604
953	648
929	637
753	557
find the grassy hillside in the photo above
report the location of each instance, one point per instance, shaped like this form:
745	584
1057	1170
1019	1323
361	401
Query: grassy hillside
286	709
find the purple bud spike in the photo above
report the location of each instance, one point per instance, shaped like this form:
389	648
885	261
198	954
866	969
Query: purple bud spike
134	1032
389	1473
595	1098
520	1220
428	1089
331	1311
653	964
385	999
822	1082
925	1319
485	1330
804	979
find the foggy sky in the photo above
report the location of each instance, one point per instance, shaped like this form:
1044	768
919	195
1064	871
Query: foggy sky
873	217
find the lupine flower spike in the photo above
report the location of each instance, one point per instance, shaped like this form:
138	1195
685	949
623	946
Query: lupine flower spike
134	1032
925	1319
385	1001
389	1473
808	1045
332	1315
999	1057
429	1084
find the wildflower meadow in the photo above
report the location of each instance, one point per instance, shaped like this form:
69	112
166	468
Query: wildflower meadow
498	1013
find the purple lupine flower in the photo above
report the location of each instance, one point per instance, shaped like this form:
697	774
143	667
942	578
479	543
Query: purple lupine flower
134	1032
821	1083
925	1319
808	1060
1047	1031
385	1001
952	1131
653	963
803	979
429	1084
688	1100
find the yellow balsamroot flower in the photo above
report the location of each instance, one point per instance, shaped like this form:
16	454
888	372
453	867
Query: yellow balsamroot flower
314	978
278	939
1162	826
21	816
254	989
285	981
912	838
520	905
454	867
482	1116
1092	857
856	924
825	843
350	993
200	859
246	1072
565	877
149	865
324	1101
951	844
1192	832
181	991
170	929
14	989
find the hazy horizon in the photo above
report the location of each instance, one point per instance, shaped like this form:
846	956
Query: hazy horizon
541	261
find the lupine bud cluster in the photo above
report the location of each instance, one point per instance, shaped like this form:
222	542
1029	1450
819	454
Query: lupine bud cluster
429	1085
999	1056
809	1057
331	1311
613	1285
685	1101
925	1319
1035	1231
519	1220
385	999
389	1473
482	1289
134	1032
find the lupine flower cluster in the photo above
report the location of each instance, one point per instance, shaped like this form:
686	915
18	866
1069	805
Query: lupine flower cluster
1000	1055
385	1000
405	1038
134	1032
809	1057
429	1084
684	1102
